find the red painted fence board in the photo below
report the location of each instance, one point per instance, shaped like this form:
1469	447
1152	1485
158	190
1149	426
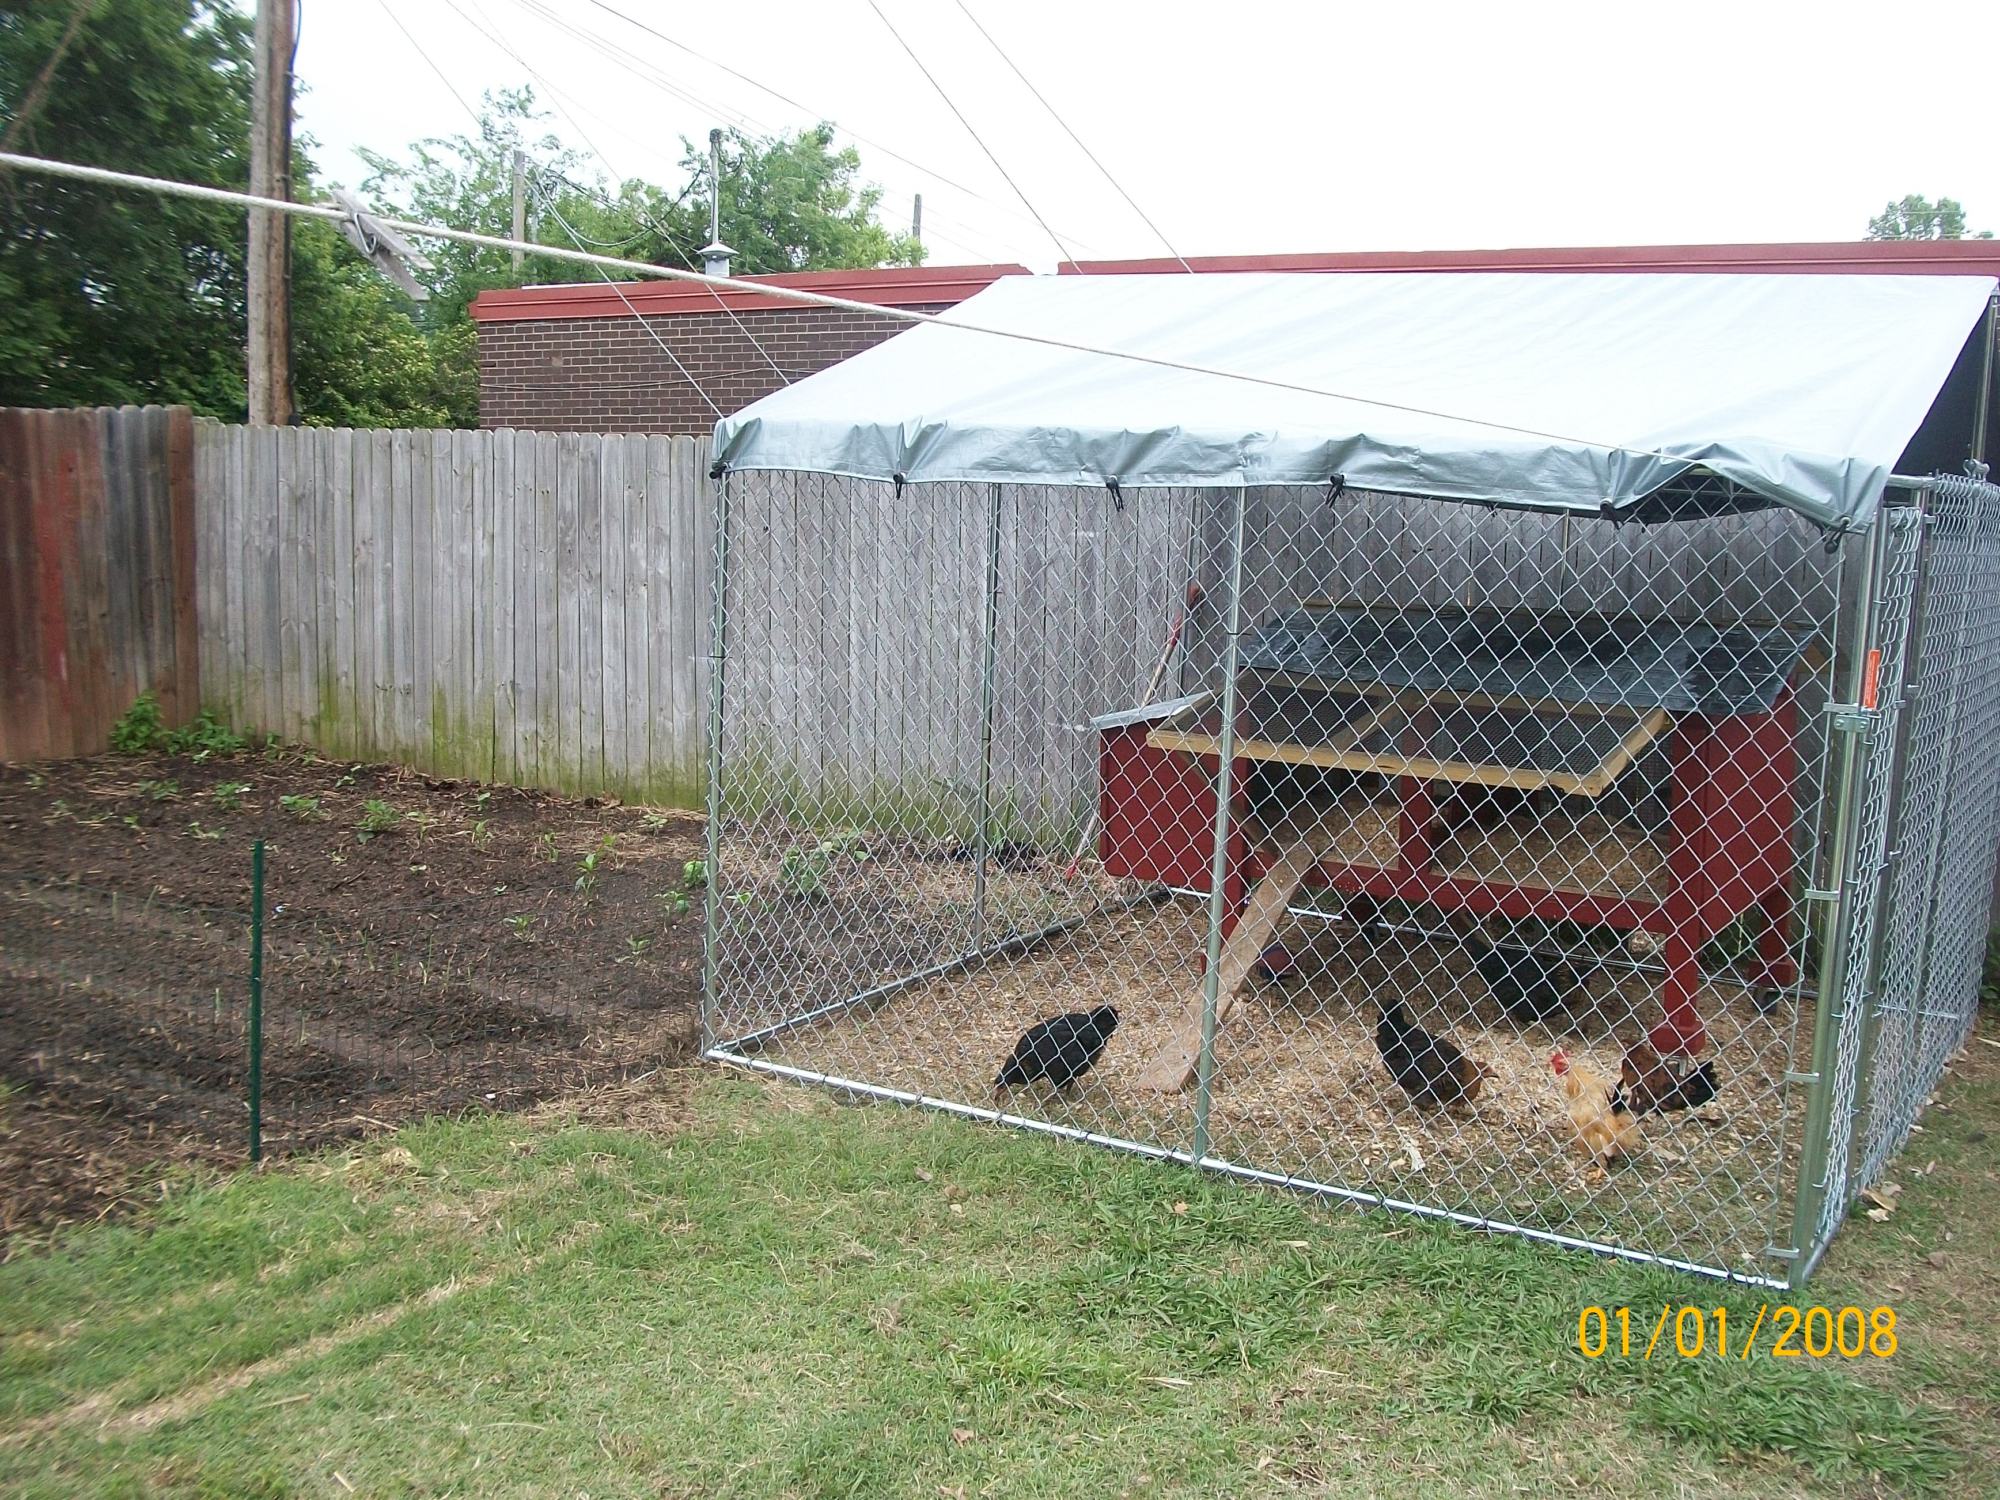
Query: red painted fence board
96	574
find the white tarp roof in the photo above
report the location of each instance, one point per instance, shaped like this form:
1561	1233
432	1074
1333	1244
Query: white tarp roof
1804	389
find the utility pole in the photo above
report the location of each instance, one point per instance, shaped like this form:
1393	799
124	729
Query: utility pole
715	255
270	268
917	220
520	206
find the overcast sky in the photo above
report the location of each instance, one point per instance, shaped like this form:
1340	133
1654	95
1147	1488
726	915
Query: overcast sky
1254	125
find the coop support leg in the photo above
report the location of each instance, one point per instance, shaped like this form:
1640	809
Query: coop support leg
718	637
1777	968
1218	874
982	837
1679	1030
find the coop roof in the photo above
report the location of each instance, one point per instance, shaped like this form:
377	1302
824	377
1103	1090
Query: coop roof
1552	391
1554	658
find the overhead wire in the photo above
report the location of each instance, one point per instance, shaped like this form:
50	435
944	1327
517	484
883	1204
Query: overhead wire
1116	185
787	99
492	35
198	192
549	205
977	139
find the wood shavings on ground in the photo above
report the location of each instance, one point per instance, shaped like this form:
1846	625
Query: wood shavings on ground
1300	1092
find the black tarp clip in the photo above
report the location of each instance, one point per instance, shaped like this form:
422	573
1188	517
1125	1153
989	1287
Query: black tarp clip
898	480
1117	495
1335	488
719	468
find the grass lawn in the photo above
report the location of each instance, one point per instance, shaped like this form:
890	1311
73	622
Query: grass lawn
709	1285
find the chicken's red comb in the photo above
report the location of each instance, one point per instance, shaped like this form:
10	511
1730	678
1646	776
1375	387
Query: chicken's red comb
1559	1060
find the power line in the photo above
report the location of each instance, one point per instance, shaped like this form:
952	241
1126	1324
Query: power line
787	99
659	229
196	192
1116	185
1061	248
390	11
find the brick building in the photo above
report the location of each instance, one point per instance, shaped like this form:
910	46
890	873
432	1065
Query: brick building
588	358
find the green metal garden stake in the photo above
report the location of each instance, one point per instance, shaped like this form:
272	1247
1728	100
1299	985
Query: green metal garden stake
257	1001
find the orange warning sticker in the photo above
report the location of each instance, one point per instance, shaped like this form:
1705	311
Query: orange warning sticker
1871	677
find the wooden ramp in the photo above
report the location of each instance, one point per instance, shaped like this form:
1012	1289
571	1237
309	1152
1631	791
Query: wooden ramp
1172	1068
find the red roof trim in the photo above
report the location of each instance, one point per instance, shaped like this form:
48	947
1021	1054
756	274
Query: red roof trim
1905	257
886	286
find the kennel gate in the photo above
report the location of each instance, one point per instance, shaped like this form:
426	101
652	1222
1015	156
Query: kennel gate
909	830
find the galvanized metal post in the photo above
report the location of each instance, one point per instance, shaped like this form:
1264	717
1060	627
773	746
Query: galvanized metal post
718	655
1909	668
1810	1192
257	1001
982	837
1218	874
1983	408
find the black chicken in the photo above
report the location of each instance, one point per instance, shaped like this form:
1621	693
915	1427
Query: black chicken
1648	1084
1527	986
1060	1050
1430	1069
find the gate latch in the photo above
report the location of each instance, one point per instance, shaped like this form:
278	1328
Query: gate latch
1851	718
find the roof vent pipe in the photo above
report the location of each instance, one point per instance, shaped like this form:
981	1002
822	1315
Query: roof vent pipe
715	255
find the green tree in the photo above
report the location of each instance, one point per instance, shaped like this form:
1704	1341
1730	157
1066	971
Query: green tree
118	296
115	296
1917	218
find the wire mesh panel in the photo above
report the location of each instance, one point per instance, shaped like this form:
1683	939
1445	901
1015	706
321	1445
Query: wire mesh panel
1444	857
1939	865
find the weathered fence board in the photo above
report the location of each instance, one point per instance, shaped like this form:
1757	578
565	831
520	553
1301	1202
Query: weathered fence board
98	585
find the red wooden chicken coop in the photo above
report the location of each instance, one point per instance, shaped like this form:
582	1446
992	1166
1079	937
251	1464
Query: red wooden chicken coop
1469	761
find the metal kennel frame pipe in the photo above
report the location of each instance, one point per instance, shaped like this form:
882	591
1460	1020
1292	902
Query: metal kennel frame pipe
1218	871
718	656
1909	675
982	836
1810	1191
1292	1183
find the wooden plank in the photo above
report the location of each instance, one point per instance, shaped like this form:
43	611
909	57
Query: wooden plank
569	658
24	727
53	517
590	612
1641	735
473	453
548	633
343	447
293	537
89	593
267	517
637	652
373	720
496	641
209	437
663	644
183	635
117	436
527	575
467	740
1422	767
408	471
610	613
433	599
1173	1067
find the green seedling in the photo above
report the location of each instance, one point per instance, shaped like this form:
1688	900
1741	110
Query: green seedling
197	831
228	795
161	791
521	924
377	817
305	809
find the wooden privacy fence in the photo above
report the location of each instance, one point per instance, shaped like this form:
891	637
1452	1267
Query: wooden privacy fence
97	573
507	606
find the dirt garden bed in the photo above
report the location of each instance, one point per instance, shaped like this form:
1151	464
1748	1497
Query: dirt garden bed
431	946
